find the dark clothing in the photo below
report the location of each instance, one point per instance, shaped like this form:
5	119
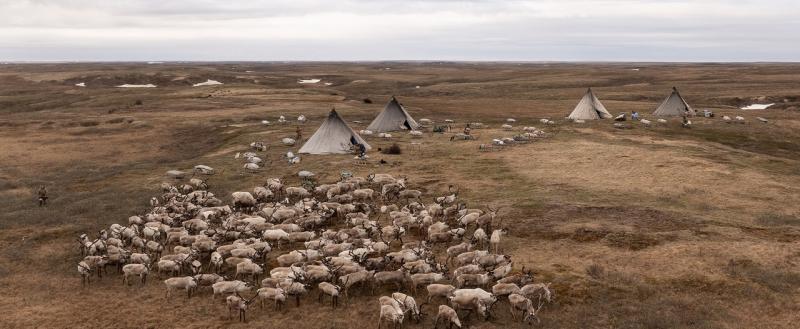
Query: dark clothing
362	151
42	196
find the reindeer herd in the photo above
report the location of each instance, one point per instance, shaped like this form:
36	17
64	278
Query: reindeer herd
360	235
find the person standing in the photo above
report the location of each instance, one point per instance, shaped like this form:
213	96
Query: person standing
42	196
362	151
298	134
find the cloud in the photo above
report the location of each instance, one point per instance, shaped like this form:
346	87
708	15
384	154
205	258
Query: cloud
668	30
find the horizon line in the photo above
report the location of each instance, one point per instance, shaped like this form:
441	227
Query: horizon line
400	61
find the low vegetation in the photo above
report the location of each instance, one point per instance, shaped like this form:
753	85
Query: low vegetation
392	149
648	227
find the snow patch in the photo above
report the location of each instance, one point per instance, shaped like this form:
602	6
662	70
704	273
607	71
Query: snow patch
82	84
758	106
208	82
305	81
149	85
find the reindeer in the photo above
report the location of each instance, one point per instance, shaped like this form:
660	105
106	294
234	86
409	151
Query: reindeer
494	239
448	199
238	303
326	288
524	304
485	221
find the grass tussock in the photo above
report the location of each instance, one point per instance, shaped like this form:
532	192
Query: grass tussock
585	234
631	240
393	149
252	117
777	279
775	219
596	271
627	300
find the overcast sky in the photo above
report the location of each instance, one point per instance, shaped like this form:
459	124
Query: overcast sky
533	30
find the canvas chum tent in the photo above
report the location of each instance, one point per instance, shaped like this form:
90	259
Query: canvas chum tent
589	108
334	136
674	105
393	117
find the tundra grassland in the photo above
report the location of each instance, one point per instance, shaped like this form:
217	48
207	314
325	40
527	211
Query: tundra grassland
648	227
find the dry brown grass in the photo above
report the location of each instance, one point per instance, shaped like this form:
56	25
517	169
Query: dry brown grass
657	227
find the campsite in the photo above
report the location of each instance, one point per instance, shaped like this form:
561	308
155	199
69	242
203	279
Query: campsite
660	222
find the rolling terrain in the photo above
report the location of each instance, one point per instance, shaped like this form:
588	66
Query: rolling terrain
659	227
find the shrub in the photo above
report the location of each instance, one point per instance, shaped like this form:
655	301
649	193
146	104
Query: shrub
367	101
596	271
138	102
89	123
394	149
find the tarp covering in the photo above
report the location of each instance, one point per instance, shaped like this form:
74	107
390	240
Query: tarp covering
393	117
334	136
674	105
589	108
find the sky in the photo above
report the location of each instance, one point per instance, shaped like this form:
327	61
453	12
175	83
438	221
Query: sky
374	30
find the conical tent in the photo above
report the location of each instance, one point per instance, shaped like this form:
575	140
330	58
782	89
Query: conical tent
674	105
334	136
393	117
589	108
